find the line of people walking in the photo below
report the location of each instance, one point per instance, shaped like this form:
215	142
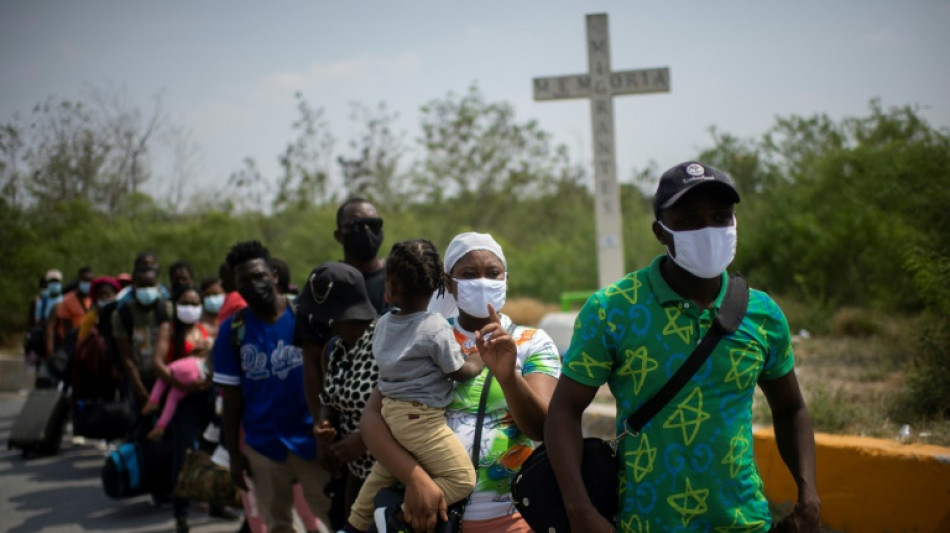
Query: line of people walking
404	370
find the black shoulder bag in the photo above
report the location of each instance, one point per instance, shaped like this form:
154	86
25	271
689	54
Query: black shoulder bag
535	489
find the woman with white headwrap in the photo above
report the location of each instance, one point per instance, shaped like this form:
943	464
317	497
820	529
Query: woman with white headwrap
525	373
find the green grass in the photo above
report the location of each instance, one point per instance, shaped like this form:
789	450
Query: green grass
871	374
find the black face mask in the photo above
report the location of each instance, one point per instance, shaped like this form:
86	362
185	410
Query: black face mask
259	295
363	245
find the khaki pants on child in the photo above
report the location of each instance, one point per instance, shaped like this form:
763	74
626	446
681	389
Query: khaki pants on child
422	431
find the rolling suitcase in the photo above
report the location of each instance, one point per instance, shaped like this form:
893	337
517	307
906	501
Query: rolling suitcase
38	428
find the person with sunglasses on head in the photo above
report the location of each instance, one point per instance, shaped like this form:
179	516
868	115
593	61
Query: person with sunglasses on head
359	230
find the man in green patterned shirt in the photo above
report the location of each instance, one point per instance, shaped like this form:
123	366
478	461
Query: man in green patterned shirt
692	466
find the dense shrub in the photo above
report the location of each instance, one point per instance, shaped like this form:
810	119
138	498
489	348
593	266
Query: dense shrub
926	394
848	214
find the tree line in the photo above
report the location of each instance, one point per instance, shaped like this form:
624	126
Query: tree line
848	212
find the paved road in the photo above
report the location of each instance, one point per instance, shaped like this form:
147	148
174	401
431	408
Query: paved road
63	493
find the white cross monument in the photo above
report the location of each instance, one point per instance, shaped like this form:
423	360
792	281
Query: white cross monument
600	85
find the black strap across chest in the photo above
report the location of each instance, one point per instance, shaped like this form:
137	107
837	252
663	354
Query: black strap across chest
730	315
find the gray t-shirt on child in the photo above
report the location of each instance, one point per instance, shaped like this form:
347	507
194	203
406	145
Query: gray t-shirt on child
414	353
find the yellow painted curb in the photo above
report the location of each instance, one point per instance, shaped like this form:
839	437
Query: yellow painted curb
866	484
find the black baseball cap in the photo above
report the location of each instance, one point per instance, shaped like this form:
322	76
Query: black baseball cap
685	177
339	293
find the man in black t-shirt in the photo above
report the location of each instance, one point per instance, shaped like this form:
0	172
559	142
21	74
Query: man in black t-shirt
359	229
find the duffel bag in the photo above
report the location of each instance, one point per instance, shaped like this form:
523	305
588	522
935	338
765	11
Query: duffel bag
98	419
203	481
138	467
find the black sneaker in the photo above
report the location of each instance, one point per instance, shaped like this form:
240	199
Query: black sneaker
388	521
181	525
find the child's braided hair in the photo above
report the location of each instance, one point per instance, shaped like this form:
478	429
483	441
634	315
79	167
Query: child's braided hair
417	266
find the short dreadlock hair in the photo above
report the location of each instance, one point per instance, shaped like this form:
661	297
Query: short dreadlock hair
243	252
417	266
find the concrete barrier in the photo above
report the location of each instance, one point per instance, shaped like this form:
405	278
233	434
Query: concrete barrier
560	326
866	484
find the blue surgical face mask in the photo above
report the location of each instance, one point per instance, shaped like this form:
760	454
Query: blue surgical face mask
54	288
84	287
213	302
44	292
146	295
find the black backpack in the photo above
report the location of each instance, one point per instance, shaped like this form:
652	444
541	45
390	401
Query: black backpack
94	373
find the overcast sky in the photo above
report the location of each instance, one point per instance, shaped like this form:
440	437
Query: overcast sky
229	70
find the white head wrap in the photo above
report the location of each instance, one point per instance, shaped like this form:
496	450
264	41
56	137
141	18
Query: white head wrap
461	245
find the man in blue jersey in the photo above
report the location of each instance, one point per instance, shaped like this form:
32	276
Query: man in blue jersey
260	372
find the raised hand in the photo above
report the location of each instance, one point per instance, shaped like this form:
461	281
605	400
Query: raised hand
496	347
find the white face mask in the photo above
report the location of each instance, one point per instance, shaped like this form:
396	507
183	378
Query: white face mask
474	295
189	314
704	253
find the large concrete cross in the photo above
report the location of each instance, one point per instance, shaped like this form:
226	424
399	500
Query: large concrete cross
599	84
